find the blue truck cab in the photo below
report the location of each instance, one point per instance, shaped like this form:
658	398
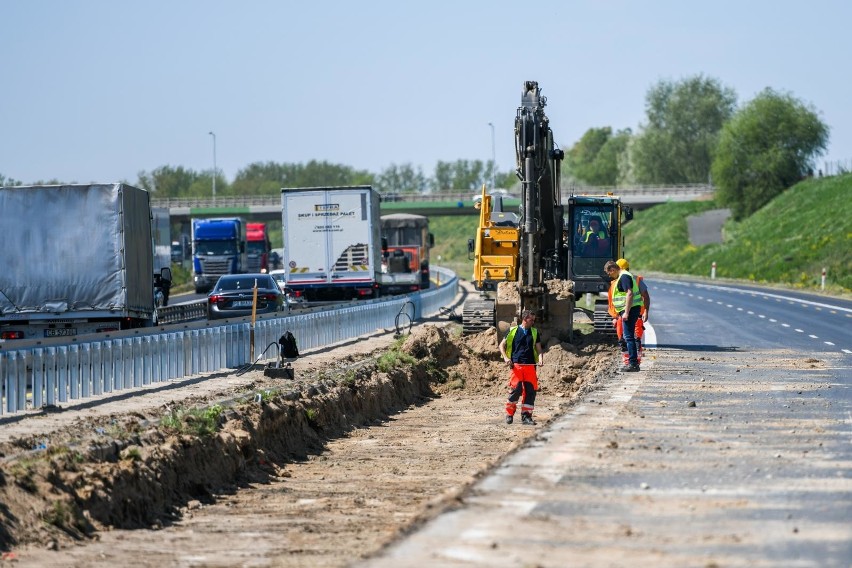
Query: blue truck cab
218	247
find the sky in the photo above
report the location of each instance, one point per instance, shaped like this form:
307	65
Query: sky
99	90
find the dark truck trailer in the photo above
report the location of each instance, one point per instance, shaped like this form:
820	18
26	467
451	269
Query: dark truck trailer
76	259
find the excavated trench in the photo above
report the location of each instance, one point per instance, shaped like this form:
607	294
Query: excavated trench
142	469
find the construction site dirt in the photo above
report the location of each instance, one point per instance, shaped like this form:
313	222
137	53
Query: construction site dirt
370	439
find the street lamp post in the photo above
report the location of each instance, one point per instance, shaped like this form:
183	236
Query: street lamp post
493	159
213	134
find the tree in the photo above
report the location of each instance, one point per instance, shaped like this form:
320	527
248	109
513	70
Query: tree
461	175
401	179
768	146
168	181
684	120
594	159
8	182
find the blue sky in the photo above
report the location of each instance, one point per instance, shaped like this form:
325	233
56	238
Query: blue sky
98	90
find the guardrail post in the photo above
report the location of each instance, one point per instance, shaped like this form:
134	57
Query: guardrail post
97	370
822	281
138	367
713	270
74	370
108	359
86	370
62	367
147	362
38	377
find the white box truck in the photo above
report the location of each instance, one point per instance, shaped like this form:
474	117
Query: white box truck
76	259
332	246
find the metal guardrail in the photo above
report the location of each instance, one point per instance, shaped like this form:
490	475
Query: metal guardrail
182	312
56	374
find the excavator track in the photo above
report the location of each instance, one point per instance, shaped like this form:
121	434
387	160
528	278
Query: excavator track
477	315
603	321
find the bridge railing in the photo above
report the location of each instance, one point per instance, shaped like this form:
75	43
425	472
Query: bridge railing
35	377
438	196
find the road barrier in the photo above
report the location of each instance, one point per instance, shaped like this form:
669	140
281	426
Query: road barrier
47	376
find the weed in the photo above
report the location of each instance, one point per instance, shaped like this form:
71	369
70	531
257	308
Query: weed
197	421
132	453
312	414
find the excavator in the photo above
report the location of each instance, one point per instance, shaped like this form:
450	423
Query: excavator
546	255
519	263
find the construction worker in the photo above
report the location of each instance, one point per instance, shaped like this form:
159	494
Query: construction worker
627	302
523	354
640	323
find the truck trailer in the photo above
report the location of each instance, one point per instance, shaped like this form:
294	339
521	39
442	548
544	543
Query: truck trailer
332	248
218	247
76	259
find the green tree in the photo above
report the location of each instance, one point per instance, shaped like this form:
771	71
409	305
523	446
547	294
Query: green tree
401	179
169	181
8	182
768	146
677	144
461	175
594	159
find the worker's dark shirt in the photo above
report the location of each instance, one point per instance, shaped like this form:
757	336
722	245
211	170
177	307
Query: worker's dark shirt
625	283
522	346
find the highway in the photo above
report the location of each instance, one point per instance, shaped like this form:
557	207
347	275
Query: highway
730	448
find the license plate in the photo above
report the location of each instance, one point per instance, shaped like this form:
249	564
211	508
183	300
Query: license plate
242	304
60	332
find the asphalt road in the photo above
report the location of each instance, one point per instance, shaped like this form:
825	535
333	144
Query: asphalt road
732	447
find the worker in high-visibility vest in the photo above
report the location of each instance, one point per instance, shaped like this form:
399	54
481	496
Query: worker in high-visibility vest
627	302
521	350
640	323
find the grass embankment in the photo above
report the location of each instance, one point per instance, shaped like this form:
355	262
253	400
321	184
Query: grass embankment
789	241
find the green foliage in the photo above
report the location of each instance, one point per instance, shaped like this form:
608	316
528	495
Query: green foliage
195	421
789	241
312	415
769	145
451	236
8	182
268	178
594	159
394	357
401	179
678	143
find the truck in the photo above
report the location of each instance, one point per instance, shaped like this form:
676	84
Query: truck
410	234
258	246
218	247
76	259
332	247
400	270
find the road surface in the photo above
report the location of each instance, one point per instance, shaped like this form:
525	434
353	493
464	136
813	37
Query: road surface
730	448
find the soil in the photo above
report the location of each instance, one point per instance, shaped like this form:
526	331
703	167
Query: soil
371	438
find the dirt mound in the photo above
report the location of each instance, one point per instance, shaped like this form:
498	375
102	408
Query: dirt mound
145	469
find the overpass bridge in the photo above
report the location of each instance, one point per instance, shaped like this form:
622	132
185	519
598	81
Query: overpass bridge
268	207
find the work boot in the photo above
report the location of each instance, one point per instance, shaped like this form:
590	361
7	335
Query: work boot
527	419
630	368
509	419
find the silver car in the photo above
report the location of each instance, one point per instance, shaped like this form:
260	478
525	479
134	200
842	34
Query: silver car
233	293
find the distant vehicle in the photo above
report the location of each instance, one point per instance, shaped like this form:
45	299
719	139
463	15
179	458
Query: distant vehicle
407	235
218	247
295	298
177	252
332	248
233	295
258	247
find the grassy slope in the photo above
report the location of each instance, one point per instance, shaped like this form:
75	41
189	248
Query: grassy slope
789	241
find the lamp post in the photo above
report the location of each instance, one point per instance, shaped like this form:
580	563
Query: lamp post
213	134
493	158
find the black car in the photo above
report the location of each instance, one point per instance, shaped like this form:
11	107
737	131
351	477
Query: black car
232	296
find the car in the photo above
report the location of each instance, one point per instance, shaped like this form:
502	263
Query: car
232	296
294	298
